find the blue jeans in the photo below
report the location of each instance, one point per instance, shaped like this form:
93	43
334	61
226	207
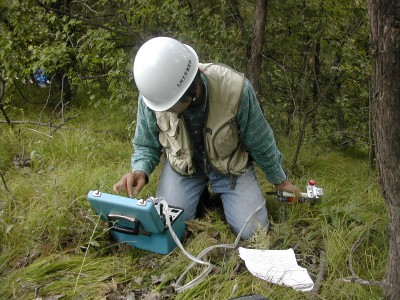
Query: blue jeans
238	203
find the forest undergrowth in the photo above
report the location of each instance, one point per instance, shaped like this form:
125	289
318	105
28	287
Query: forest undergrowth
53	246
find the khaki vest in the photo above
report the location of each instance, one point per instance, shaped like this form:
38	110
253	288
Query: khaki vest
225	151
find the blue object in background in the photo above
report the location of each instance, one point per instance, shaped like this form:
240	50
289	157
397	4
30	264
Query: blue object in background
41	78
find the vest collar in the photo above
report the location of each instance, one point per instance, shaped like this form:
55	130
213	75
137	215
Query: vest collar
203	105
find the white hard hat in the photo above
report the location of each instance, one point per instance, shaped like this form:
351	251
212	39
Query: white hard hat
163	70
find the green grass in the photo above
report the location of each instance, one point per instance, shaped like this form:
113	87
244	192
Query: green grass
53	245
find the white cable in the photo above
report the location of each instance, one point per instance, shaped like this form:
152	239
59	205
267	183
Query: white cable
197	259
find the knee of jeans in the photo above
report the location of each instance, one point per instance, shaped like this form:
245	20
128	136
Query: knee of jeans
189	214
259	221
252	228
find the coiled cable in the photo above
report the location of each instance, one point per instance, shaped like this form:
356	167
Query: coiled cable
197	260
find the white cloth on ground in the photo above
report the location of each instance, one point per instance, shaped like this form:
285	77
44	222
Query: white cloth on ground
278	267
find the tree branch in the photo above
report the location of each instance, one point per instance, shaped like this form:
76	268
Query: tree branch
55	126
2	93
7	190
355	278
358	280
87	22
51	125
65	121
321	274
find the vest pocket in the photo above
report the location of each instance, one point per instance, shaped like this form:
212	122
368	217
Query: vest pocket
225	138
181	164
225	150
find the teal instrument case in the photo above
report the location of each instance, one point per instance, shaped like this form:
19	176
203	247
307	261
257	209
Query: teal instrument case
137	222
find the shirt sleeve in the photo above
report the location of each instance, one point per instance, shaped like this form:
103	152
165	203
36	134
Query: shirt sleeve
258	136
147	147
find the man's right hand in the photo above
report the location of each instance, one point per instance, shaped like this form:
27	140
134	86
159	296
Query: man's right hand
130	181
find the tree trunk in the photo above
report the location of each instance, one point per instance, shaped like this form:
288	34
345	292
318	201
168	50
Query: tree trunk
254	65
2	94
234	7
316	82
385	46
